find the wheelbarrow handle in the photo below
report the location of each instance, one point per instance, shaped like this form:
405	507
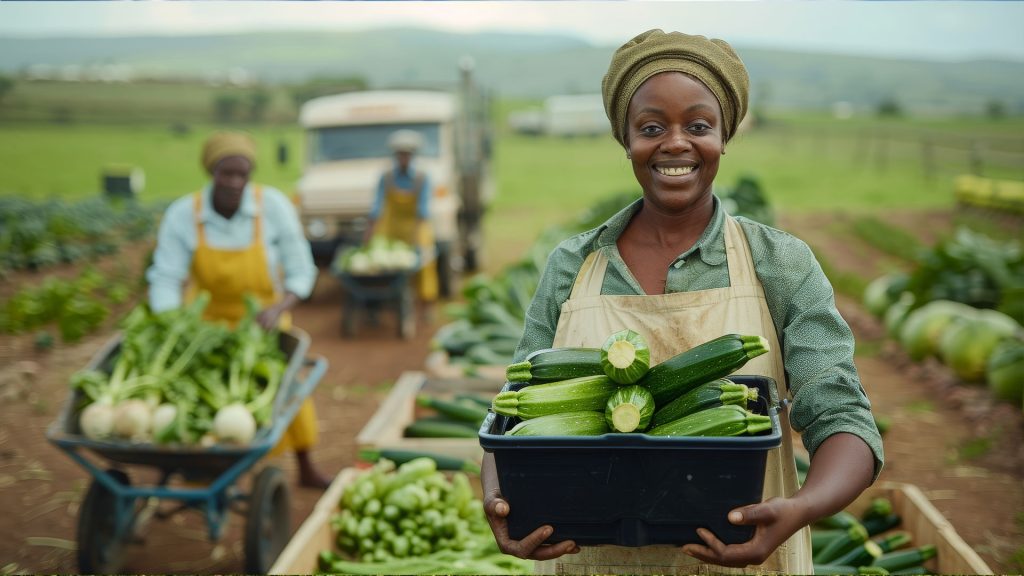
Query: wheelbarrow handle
302	390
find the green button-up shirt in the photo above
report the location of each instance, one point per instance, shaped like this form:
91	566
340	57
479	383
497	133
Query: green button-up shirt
817	344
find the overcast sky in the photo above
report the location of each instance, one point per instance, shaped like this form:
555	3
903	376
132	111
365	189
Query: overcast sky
920	29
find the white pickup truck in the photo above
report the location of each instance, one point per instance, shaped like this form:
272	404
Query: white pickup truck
347	151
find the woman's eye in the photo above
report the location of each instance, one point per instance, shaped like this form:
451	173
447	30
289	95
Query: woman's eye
699	128
649	129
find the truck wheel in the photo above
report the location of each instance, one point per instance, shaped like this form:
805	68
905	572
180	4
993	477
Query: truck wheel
470	260
445	273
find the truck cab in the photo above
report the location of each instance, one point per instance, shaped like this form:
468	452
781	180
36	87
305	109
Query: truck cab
347	151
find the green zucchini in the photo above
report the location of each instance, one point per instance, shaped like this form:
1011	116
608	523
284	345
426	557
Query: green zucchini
821	537
728	420
586	393
629	409
453	410
625	357
841	569
708	395
705	362
841	519
577	423
861	555
878	508
555	364
401	456
854	537
876	526
421	429
905	558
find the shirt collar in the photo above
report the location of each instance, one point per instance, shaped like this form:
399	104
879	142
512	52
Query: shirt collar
248	207
710	246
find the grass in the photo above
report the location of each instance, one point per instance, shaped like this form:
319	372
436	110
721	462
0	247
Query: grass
805	163
45	160
975	448
890	239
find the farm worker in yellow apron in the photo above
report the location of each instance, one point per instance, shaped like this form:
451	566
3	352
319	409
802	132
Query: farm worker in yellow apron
401	209
677	269
231	238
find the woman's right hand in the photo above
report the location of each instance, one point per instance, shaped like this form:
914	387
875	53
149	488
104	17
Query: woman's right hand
532	547
496	509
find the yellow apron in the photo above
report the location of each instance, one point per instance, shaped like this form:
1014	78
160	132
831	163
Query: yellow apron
228	275
672	323
399	220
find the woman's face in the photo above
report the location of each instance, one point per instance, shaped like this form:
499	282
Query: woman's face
674	133
229	179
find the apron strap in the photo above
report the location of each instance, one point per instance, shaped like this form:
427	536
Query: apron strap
257	226
737	254
590	278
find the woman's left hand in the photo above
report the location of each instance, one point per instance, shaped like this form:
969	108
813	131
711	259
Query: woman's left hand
775	519
269	316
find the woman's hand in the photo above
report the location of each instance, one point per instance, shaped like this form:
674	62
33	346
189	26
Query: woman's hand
532	547
775	519
269	316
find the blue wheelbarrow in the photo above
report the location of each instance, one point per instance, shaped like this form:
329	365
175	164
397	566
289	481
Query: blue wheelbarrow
370	293
115	511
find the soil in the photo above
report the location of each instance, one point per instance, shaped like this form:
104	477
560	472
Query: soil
963	450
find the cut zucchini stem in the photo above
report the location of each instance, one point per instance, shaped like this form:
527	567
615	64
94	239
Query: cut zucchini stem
625	417
621	354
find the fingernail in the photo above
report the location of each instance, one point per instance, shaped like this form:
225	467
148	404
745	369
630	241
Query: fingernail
547	532
575	550
735	517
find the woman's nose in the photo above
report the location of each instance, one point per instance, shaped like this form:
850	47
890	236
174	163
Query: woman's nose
675	142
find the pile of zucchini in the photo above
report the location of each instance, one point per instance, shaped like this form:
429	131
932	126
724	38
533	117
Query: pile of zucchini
593	391
414	519
871	544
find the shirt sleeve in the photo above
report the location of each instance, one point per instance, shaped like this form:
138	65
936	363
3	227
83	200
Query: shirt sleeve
172	257
378	200
553	290
423	201
817	349
294	253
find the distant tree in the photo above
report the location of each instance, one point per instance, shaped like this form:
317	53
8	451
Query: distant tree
995	109
225	107
890	107
325	86
6	85
259	100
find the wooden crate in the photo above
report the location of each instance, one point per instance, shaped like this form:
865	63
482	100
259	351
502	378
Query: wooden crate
385	428
315	534
439	366
927	526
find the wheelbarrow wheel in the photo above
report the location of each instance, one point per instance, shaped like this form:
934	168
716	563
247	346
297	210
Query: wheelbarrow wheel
100	549
268	525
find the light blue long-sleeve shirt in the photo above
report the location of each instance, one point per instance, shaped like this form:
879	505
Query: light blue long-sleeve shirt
404	180
288	253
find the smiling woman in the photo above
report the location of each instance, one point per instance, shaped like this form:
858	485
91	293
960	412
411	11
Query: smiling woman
678	270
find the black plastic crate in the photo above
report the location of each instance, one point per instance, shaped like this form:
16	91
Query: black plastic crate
631	489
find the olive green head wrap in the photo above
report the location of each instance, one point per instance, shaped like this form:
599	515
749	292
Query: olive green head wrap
221	145
711	61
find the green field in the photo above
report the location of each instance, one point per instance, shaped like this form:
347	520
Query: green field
805	163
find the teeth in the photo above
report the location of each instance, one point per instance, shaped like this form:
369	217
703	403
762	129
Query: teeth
666	171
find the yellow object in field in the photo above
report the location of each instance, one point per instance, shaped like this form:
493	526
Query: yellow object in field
1005	195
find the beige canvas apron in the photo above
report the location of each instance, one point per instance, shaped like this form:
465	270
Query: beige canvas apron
672	323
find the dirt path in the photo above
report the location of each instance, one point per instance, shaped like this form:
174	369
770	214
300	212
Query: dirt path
964	452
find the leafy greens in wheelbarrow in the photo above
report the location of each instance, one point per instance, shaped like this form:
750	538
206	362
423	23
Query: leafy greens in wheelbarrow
178	379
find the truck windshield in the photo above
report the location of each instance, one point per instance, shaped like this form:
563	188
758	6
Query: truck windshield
367	141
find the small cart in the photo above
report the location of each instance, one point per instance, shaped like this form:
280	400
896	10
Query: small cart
115	511
370	293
